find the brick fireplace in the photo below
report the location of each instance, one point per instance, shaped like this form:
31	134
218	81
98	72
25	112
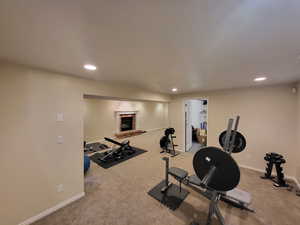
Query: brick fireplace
127	122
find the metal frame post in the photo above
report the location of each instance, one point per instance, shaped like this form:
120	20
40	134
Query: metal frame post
228	134
165	188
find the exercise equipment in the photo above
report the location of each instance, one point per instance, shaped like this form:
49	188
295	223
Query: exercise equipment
117	153
216	172
167	142
231	140
277	159
177	173
217	176
169	194
94	147
216	169
86	163
239	143
86	160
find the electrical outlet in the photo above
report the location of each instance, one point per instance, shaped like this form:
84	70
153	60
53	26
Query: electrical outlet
60	188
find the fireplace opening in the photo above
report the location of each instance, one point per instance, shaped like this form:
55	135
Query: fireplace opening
127	122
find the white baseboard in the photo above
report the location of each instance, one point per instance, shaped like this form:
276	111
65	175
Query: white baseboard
52	210
252	168
156	129
273	173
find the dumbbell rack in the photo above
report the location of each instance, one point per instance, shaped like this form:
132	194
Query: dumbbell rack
277	159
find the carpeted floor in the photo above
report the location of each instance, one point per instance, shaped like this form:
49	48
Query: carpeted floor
118	196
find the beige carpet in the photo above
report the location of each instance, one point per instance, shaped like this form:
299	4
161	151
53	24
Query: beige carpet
118	196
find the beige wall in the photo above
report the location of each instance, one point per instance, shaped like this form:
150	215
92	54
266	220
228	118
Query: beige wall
100	116
298	135
268	121
32	164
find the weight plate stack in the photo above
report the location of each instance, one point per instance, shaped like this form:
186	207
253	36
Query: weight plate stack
239	143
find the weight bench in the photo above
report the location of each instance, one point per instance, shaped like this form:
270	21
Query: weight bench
236	197
179	175
217	176
117	153
167	193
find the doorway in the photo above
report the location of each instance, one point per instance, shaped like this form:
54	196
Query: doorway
195	111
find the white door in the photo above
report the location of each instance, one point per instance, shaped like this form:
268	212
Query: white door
188	126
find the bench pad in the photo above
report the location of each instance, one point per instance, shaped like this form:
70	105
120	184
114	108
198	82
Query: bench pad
178	173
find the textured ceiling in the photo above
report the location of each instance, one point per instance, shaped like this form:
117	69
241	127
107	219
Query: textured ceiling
157	44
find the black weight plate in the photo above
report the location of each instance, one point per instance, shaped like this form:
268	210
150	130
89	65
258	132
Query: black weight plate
164	141
239	143
169	131
227	174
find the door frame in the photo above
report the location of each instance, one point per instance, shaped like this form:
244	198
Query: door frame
185	127
184	118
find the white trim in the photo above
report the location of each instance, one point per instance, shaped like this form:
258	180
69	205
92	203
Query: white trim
52	210
124	112
183	149
273	173
186	111
252	168
155	129
184	100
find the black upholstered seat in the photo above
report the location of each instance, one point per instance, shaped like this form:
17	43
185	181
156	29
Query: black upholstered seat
177	173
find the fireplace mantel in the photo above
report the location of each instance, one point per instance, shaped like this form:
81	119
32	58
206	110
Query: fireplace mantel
126	112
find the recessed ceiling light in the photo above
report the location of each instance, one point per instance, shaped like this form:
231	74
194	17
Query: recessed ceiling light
258	79
90	67
174	89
